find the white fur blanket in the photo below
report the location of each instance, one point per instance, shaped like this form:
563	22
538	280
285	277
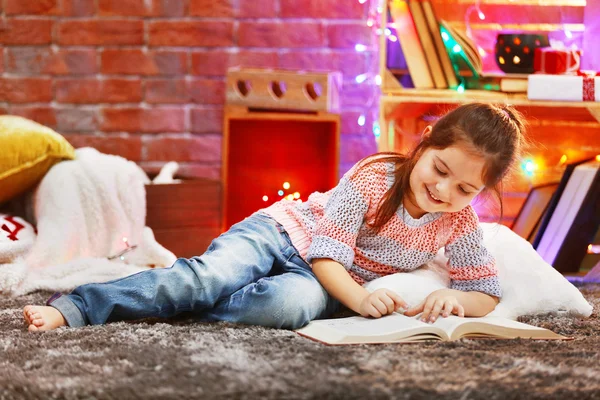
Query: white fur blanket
86	210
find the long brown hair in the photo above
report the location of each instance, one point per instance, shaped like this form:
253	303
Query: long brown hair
496	132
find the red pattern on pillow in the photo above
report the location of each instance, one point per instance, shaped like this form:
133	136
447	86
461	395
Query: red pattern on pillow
13	229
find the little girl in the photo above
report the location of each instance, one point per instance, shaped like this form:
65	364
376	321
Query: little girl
294	262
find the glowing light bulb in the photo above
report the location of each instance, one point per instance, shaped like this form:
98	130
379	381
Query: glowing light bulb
460	88
516	60
361	78
297	195
481	15
392	38
265	198
568	33
529	167
598	158
280	192
360	47
370	23
376	129
388	32
445	36
361	120
290	197
456	48
501	60
378	80
124	239
286	185
563	159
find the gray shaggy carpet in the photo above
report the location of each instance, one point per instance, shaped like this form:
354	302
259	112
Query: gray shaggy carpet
182	359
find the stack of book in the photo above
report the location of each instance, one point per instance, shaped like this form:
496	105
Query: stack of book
419	36
432	58
562	219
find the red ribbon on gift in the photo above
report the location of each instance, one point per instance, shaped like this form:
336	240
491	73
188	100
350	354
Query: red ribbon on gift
589	84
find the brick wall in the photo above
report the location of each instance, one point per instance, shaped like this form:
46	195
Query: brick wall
144	79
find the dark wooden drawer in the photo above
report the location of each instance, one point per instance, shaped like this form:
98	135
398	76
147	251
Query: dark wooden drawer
186	216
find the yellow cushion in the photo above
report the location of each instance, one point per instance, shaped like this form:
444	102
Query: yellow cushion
27	151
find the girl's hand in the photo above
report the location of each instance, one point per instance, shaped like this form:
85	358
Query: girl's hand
443	301
381	302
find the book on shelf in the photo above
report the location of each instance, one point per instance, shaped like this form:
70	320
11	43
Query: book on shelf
528	220
513	84
500	82
410	43
554	201
438	42
573	220
470	66
426	39
470	57
398	328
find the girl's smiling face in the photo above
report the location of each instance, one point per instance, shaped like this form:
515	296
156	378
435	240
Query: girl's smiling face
444	180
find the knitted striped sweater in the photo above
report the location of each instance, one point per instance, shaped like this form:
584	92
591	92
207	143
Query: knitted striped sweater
333	225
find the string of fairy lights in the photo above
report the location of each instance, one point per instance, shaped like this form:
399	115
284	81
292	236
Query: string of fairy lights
282	194
373	21
529	166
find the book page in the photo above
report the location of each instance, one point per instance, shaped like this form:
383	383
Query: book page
450	323
391	328
373	326
457	327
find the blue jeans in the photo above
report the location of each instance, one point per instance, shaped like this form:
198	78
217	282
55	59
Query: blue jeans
251	274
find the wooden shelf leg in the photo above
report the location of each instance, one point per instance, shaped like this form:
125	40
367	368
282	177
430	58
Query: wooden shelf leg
595	112
385	141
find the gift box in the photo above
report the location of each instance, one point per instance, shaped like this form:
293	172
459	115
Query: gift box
563	87
548	60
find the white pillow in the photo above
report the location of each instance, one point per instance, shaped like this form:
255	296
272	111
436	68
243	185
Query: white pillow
529	285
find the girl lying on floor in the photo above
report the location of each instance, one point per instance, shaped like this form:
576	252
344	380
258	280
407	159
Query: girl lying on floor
293	262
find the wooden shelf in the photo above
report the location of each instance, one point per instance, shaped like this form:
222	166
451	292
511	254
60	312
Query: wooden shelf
454	97
407	107
413	103
556	128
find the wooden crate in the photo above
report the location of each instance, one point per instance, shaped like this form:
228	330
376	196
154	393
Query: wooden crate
186	216
283	90
262	150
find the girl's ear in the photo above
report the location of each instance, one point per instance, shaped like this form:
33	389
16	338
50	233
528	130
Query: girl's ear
427	131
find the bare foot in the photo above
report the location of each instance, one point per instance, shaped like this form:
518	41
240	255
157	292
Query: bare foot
43	318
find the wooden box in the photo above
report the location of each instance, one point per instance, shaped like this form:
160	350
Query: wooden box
283	90
263	150
185	216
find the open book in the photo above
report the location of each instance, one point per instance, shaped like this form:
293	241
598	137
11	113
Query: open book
397	328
